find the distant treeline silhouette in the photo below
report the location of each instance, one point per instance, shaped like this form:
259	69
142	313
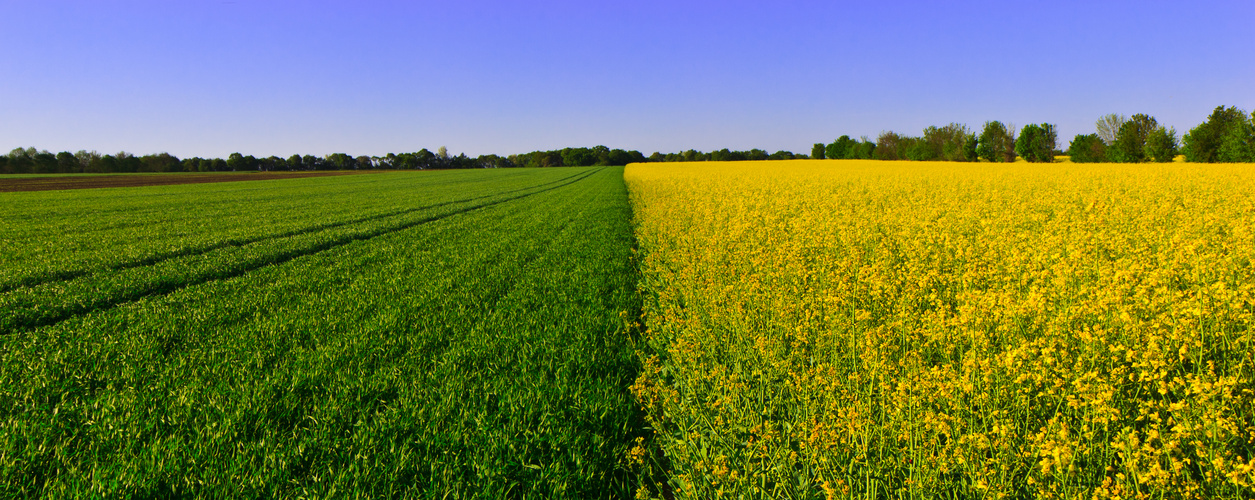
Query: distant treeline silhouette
33	161
1228	135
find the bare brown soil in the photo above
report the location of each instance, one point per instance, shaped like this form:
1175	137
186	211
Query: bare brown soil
51	183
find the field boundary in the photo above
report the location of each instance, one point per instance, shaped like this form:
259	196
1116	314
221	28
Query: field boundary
104	181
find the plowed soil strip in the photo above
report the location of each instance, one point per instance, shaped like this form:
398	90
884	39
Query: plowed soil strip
52	183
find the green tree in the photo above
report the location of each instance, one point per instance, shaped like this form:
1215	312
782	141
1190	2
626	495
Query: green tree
162	162
841	149
85	159
1087	148
817	151
948	143
67	162
865	149
235	161
1202	143
127	162
1161	145
1130	144
996	143
969	148
1238	144
889	146
1037	143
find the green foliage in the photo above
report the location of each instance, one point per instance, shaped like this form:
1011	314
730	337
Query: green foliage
1202	143
949	143
1238	144
996	143
1037	143
891	146
970	146
817	151
1130	143
1161	145
1087	148
841	149
451	334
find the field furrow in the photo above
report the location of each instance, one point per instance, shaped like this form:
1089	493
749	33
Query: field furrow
160	256
51	236
49	303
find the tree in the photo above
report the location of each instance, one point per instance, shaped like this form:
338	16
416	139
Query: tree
866	149
85	159
1108	126
996	143
1161	145
817	151
1087	148
442	153
947	143
127	162
340	161
917	149
580	157
1130	144
1202	143
969	148
105	164
162	162
66	163
1037	143
45	162
1238	144
889	146
840	149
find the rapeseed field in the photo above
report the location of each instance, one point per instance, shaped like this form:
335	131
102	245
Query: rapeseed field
862	329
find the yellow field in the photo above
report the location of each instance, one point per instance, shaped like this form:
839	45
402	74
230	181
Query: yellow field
863	329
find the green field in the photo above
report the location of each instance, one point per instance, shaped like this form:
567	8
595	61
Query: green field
422	334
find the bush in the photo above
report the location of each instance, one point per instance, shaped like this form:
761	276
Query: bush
1087	148
1037	143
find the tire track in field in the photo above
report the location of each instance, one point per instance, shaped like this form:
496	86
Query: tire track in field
15	325
162	257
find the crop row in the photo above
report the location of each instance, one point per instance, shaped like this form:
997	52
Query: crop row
228	255
58	235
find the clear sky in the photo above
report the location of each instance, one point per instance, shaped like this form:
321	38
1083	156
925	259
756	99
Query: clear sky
270	77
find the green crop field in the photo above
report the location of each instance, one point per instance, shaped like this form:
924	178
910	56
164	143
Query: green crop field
432	334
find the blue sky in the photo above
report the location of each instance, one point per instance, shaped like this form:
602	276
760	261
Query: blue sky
208	78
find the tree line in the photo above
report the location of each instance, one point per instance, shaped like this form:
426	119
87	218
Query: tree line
1228	135
33	161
